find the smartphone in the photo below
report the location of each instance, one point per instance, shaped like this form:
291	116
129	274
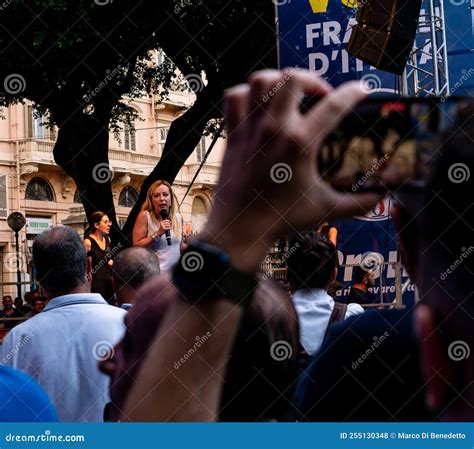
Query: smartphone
387	143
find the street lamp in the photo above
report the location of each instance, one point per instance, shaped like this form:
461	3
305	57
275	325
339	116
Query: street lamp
16	221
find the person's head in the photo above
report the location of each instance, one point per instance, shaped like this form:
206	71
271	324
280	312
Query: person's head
18	302
313	263
60	262
436	237
100	223
38	305
364	276
262	368
7	302
160	196
131	268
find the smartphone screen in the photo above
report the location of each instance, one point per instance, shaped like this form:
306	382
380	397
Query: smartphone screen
387	143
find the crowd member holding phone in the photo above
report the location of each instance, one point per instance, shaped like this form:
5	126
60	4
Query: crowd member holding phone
250	211
159	225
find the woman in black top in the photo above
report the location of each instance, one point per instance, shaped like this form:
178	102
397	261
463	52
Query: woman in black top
97	244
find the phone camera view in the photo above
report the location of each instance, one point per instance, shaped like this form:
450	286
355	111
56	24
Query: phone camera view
386	142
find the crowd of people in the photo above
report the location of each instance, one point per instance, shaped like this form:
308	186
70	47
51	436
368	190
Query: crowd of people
201	335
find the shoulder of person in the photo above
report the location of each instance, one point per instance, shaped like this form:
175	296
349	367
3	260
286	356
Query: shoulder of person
354	309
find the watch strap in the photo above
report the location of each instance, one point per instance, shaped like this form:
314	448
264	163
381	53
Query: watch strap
204	272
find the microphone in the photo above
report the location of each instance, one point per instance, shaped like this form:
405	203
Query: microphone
164	216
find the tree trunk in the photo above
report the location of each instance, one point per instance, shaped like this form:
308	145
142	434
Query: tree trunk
183	137
81	150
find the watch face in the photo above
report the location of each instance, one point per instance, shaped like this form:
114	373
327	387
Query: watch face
201	259
204	272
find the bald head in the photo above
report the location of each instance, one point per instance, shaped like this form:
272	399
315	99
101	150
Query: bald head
131	268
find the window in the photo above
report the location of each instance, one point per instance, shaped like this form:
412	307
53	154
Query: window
128	197
201	150
35	128
39	190
160	58
163	135
198	214
77	197
130	142
3	196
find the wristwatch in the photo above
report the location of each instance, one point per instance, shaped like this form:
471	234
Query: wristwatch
155	236
204	272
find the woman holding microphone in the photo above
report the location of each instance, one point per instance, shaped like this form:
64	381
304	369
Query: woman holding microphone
159	225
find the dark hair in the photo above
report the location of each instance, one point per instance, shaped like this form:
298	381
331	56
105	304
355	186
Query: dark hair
360	274
60	260
96	217
133	266
263	369
312	262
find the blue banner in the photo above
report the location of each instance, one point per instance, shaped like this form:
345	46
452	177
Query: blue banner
370	241
314	34
238	436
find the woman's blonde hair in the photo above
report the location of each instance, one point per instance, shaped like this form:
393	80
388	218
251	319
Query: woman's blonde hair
174	216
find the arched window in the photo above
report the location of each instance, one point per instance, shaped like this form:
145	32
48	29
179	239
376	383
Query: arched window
39	190
198	214
128	197
77	197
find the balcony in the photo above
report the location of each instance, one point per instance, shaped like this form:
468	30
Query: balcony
207	178
37	153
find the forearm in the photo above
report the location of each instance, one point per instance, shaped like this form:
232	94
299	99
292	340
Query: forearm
181	379
144	242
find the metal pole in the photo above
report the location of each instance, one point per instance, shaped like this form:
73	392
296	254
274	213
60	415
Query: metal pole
434	47
18	273
445	49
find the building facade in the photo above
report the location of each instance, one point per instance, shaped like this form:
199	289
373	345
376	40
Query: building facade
31	182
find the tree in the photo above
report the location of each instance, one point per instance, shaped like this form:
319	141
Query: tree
79	61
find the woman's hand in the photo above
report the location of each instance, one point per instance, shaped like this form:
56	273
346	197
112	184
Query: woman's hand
165	225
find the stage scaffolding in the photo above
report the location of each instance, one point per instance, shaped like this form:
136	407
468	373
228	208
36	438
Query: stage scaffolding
430	43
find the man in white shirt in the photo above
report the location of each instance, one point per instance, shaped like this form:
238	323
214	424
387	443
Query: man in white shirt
312	268
61	346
